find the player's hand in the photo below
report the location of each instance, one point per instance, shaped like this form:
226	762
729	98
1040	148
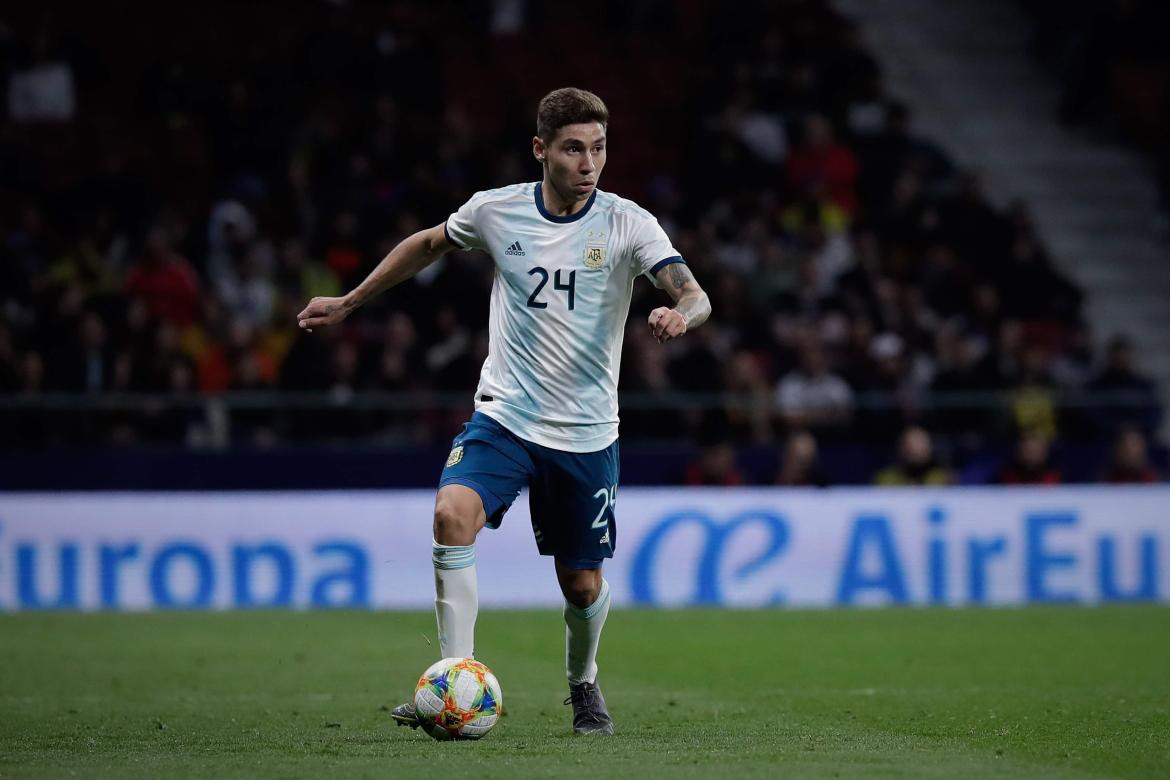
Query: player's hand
321	312
666	324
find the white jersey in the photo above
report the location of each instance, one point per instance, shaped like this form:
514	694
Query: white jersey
558	309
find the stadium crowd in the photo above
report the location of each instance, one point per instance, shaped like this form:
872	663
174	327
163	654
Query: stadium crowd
166	215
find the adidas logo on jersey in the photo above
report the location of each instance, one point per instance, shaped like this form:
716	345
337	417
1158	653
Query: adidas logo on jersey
515	249
605	537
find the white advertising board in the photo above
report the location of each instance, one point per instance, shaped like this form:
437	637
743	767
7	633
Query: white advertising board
675	547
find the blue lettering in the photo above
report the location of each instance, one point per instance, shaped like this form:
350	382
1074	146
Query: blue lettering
872	531
1039	559
709	563
282	562
1147	587
160	588
355	576
643	565
109	561
937	558
979	554
26	578
707	587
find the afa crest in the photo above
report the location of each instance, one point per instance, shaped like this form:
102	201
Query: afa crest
455	456
594	256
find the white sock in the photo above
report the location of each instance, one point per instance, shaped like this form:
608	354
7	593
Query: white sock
456	599
582	634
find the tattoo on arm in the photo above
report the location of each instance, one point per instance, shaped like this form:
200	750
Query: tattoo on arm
695	308
689	299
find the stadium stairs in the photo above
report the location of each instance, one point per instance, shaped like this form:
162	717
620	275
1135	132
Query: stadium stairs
963	66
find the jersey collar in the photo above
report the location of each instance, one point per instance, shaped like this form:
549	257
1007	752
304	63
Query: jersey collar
569	218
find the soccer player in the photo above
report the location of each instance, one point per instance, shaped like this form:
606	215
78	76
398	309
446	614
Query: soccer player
566	256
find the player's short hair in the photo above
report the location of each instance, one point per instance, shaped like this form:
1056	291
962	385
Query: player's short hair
568	106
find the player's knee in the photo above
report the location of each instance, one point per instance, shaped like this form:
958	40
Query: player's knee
581	591
453	524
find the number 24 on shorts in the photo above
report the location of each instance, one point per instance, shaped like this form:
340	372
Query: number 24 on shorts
608	500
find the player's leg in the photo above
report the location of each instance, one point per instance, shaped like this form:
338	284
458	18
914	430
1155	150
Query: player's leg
586	608
485	471
573	496
459	516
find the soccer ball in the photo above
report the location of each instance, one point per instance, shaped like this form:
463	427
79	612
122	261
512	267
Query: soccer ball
458	698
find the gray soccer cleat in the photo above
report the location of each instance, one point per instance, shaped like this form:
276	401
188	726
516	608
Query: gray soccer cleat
404	715
590	715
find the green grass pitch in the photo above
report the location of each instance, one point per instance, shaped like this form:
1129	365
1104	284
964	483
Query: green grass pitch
1039	692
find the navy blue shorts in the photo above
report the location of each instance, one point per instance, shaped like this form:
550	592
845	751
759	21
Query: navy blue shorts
571	494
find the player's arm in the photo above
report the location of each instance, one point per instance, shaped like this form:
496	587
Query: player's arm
691	305
412	254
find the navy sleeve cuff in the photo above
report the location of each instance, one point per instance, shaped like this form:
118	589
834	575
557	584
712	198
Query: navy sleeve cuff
663	263
451	240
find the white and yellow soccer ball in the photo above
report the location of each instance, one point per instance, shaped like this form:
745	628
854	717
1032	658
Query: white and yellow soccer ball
458	698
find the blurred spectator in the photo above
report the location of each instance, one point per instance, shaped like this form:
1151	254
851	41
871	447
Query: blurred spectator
800	466
891	382
343	380
1033	288
164	281
962	374
1129	462
177	422
761	132
644	376
749	399
916	464
86	266
42	89
811	397
695	367
820	163
246	291
1032	462
302	278
715	466
885	155
237	363
88	366
343	253
400	364
822	243
231	233
1128	398
32	374
1073	367
1033	396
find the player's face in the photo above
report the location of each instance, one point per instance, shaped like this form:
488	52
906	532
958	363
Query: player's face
573	159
